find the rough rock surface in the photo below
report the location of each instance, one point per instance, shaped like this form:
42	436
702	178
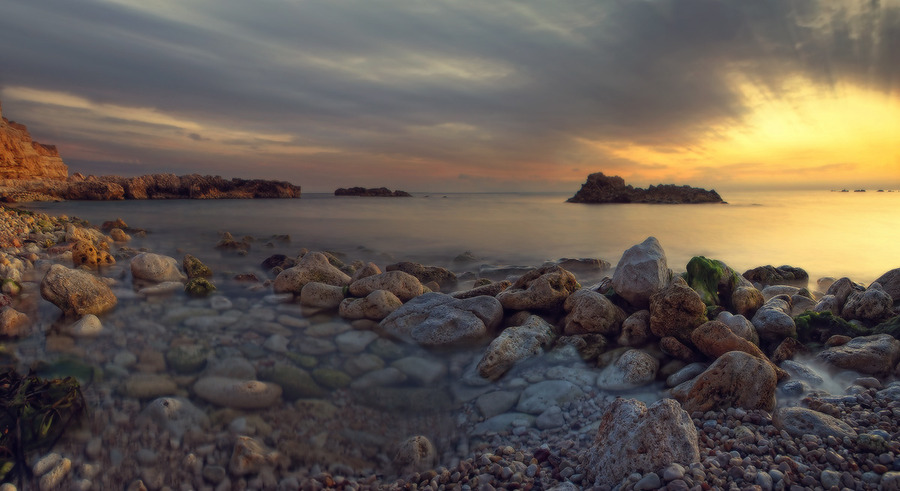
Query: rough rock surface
404	285
715	338
641	272
513	345
634	438
544	289
415	454
314	266
676	311
156	268
782	275
633	368
76	292
799	421
237	394
600	188
735	379
590	312
890	282
445	278
375	306
874	355
437	319
773	321
874	305
23	158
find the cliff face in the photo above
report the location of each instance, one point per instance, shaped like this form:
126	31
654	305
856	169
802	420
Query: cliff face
23	158
600	188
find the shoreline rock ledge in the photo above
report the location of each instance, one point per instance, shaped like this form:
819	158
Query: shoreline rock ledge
600	188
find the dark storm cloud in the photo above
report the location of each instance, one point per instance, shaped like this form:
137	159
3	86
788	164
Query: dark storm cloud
497	82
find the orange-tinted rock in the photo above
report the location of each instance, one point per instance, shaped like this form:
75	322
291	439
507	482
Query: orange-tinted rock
23	158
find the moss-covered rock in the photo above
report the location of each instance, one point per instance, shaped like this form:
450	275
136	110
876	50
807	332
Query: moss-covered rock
817	327
890	326
199	287
194	268
712	279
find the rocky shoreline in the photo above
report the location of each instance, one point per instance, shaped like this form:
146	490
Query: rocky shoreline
334	373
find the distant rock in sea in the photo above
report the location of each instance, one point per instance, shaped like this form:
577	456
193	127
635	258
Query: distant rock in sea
376	192
600	188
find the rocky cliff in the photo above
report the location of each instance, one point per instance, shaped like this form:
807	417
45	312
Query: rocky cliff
23	158
600	188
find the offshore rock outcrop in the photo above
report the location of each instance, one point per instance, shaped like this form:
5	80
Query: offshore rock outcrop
600	188
376	192
23	158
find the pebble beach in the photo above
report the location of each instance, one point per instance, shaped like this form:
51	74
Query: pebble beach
264	384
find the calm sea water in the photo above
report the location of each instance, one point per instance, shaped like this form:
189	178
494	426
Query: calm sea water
827	233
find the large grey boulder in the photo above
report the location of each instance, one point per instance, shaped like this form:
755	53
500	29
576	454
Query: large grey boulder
515	344
436	319
313	266
543	289
773	321
590	312
873	355
156	268
873	305
890	282
735	379
634	438
77	292
641	272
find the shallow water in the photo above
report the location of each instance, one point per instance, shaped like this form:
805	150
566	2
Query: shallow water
828	234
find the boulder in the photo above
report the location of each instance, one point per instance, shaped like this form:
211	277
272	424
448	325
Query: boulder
633	438
155	268
600	188
872	355
782	275
739	325
313	266
714	339
634	368
635	329
85	253
841	289
543	289
592	313
746	300
76	292
513	345
676	310
375	306
194	268
773	321
416	454
437	319
818	327
713	280
321	295
490	289
404	285
673	347
641	272
13	324
872	305
735	379
369	269
890	283
426	274
799	421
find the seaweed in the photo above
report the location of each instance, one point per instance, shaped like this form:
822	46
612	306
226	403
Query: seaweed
890	326
817	327
34	414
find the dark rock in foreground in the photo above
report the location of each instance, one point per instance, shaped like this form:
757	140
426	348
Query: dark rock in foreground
371	192
600	188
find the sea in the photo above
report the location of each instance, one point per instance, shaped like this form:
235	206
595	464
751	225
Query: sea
836	234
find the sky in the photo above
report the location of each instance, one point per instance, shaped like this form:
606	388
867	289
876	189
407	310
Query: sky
463	95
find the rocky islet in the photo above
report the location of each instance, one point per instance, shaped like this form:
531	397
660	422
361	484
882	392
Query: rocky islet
519	400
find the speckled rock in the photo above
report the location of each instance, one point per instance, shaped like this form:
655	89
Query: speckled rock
14	324
799	421
873	305
403	285
590	312
313	266
249	457
375	306
194	268
773	321
746	300
873	355
735	379
320	295
633	368
676	310
635	329
238	394
155	268
513	345
634	438
437	319
542	289
415	454
77	292
187	358
890	282
445	279
739	325
87	327
641	272
714	339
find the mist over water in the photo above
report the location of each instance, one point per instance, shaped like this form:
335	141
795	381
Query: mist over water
826	233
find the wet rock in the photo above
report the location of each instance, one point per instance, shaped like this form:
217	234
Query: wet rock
76	292
384	377
685	374
818	327
841	290
592	313
872	305
636	329
295	382
442	276
87	327
425	371
199	287
782	275
314	266
194	268
774	290
250	456
746	300
187	358
155	268
354	341
735	379
799	421
118	235
773	322
873	355
331	378
237	394
672	346
713	280
714	339
416	454
890	283
739	325
676	311
490	289
634	368
13	324
85	253
543	289
496	402
802	372
321	295
437	319
786	350
513	345
641	272
278	261
634	438
375	306
148	386
177	415
536	398
405	286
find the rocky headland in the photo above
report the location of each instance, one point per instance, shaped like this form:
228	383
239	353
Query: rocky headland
371	192
31	171
317	376
600	188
